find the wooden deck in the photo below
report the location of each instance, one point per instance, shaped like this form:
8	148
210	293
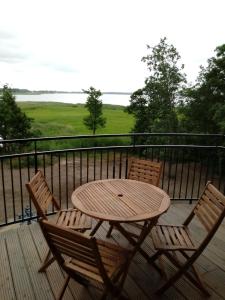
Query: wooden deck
23	248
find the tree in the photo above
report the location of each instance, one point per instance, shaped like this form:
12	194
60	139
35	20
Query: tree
204	107
13	122
154	105
95	119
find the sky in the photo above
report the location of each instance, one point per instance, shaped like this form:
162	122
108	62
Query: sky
71	45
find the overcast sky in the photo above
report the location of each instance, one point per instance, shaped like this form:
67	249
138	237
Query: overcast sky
75	44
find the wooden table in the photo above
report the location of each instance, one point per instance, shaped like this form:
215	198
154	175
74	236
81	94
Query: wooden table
121	201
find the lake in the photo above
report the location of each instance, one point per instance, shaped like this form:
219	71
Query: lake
116	99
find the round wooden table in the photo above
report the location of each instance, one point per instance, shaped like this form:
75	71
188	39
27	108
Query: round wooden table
120	200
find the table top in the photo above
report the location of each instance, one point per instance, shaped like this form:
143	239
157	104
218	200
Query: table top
120	200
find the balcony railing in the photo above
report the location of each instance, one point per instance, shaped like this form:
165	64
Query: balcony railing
189	161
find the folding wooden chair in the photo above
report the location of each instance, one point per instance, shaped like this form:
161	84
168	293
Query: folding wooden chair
42	198
177	244
88	260
145	171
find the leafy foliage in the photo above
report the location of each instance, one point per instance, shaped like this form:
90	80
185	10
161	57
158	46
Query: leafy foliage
13	122
95	119
154	105
204	108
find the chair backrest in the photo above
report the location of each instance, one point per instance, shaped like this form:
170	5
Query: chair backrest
145	170
40	194
209	210
64	241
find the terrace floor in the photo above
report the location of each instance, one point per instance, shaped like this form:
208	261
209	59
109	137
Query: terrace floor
23	248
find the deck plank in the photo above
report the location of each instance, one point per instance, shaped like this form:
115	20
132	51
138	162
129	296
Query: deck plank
6	281
32	261
19	273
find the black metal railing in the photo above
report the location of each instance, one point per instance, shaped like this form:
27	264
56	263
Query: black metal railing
186	167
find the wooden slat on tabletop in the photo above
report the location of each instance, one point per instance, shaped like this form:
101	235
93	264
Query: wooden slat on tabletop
104	202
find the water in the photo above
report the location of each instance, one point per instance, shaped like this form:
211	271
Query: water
118	99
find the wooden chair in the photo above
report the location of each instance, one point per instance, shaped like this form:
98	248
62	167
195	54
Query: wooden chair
177	244
87	258
146	171
42	198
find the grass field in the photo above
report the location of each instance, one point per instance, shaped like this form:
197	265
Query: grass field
61	119
54	119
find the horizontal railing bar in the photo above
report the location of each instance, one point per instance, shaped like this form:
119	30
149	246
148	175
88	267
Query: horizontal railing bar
25	219
108	148
37	139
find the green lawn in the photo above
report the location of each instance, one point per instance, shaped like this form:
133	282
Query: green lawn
54	119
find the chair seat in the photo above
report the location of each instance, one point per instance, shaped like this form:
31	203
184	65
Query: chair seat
73	219
112	256
170	237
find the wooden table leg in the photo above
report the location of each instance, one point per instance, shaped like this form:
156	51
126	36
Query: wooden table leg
137	243
96	228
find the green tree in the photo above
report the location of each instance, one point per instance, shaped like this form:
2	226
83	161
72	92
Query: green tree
204	105
153	106
95	119
13	122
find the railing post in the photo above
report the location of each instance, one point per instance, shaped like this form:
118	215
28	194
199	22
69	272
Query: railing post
132	150
134	140
35	157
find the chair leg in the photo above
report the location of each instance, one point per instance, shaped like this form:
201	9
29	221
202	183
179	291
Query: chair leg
122	297
96	228
199	282
62	291
109	231
104	294
151	260
154	256
182	271
47	262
